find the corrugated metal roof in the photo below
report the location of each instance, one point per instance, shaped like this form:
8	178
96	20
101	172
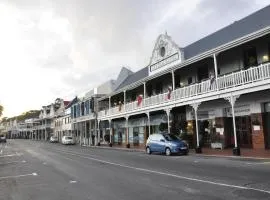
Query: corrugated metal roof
238	29
134	77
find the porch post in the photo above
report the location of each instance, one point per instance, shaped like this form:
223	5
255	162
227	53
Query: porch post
85	133
98	132
173	81
149	125
90	133
127	135
232	99
215	65
109	105
110	127
195	107
168	110
144	90
125	100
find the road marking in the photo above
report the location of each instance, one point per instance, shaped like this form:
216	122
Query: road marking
1	151
169	174
23	175
10	155
71	181
258	163
23	161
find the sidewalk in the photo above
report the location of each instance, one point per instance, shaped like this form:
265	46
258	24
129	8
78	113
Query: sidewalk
245	153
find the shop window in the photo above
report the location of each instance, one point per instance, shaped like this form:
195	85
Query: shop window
250	57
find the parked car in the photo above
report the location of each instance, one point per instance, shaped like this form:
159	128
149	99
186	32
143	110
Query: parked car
53	139
68	140
3	139
166	143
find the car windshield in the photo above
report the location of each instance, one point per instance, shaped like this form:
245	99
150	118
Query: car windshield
70	138
171	137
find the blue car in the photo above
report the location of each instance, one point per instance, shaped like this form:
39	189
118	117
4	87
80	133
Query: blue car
166	143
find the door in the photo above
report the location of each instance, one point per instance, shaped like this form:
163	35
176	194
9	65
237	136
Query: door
250	57
266	125
160	145
203	73
243	131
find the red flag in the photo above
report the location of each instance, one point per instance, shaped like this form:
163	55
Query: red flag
139	100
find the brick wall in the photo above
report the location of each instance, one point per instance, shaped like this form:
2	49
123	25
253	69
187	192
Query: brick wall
257	135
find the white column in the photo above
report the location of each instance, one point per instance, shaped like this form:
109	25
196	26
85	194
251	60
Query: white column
127	135
149	125
110	126
124	100
144	90
168	118
90	133
173	81
215	66
80	129
98	131
85	133
110	105
232	99
195	107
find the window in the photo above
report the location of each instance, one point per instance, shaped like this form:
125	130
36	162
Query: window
218	71
177	80
250	57
189	80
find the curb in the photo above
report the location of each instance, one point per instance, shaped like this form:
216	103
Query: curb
114	148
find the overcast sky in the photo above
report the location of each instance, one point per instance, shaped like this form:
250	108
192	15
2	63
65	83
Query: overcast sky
60	48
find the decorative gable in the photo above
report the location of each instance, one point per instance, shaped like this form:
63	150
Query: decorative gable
165	54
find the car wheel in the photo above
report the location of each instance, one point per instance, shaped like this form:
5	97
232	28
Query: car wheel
148	150
168	151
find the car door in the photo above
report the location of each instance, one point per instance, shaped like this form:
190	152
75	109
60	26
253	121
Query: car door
153	143
160	143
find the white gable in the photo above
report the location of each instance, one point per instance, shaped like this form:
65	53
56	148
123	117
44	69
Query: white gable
165	54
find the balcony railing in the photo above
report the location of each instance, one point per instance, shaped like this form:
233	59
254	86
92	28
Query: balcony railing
231	80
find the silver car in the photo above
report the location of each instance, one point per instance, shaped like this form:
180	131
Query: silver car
68	140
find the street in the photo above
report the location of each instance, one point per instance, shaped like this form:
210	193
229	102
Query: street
41	170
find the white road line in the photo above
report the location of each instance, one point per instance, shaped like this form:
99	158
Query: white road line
23	161
171	175
10	155
23	175
71	181
1	151
258	163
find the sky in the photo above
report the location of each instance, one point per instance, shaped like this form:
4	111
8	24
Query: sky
63	48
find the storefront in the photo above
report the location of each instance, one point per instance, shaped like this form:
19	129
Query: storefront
137	129
119	132
266	124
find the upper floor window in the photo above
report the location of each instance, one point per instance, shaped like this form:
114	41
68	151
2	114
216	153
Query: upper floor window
189	80
250	57
159	87
203	73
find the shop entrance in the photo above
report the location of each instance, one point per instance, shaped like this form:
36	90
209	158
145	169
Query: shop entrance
243	131
266	124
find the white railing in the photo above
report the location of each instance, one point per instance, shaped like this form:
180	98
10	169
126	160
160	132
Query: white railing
234	79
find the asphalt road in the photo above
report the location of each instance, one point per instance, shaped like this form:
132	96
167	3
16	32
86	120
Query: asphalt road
39	170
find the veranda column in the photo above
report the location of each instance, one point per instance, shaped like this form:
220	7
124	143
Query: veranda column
125	100
173	81
85	133
215	66
90	133
127	133
232	99
110	105
98	132
149	125
168	110
195	106
110	126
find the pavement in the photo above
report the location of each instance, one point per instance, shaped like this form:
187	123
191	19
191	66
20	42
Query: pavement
40	170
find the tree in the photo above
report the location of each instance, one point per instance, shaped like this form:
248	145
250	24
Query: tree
1	110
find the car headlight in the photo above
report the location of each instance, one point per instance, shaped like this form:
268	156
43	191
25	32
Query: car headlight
173	145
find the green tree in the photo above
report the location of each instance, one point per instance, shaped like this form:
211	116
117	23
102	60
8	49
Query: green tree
1	110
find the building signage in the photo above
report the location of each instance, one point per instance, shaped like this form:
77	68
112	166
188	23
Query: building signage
164	62
240	110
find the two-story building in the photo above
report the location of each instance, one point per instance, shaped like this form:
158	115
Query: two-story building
84	112
212	93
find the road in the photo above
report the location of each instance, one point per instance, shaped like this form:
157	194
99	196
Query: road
39	170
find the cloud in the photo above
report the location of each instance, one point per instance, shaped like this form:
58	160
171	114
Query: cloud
59	48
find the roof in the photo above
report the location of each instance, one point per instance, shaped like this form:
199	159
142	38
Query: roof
238	29
134	77
66	103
